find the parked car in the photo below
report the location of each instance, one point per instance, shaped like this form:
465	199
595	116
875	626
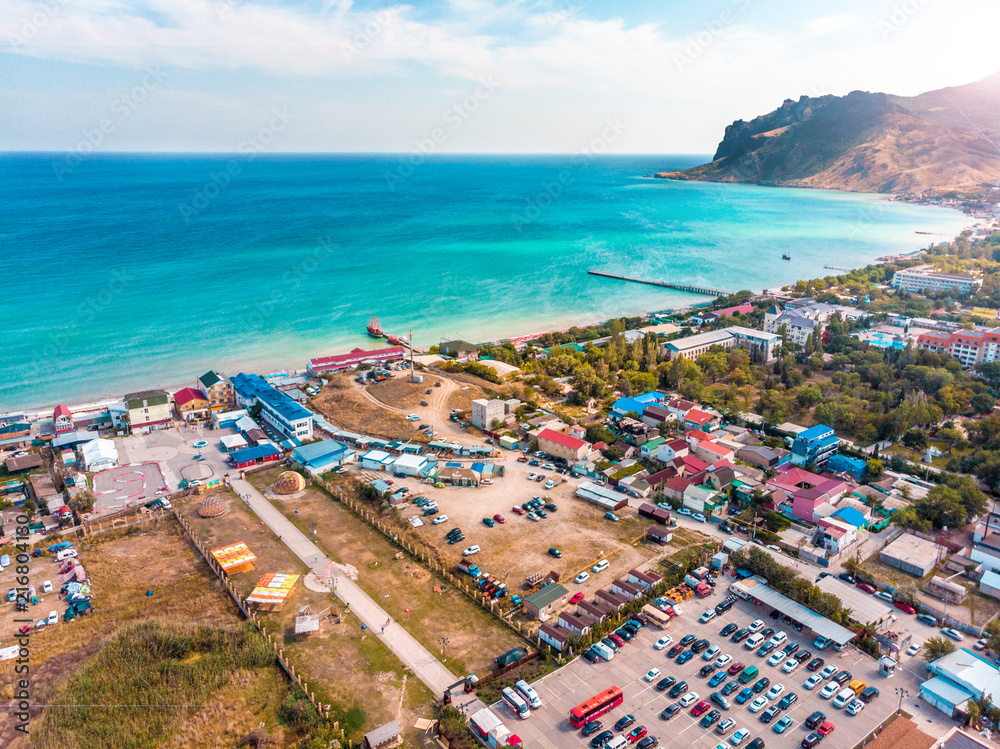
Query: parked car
758	704
743	696
812	682
592	727
770	714
663	642
717	679
688	699
601	566
725	726
709	718
905	607
700	708
665	683
866	587
854	707
814	720
783	725
577	597
739	737
488	522
952	633
582	577
468	552
826	728
648	742
678	689
669	712
652	675
728	630
883	595
927	619
810	741
912	650
815	664
624	722
554	552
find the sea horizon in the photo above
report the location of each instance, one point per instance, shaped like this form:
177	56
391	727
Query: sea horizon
142	274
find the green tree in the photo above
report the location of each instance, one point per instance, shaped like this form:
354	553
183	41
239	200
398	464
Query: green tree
937	647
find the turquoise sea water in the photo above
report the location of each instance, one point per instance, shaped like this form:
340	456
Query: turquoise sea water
124	272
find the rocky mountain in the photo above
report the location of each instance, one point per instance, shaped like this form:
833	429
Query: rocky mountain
868	142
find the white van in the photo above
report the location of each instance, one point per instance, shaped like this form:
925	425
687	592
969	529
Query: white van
603	650
530	695
844	696
618	742
66	554
753	641
601	566
779	637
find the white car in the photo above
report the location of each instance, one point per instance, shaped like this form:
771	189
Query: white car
912	650
775	659
829	690
699	517
854	707
883	595
812	682
711	653
688	699
550	484
47	587
758	704
652	675
663	642
53	618
775	691
532	476
723	728
790	665
439	519
952	633
828	671
707	616
755	626
413	417
739	737
601	566
723	660
549	467
684	511
582	577
474	549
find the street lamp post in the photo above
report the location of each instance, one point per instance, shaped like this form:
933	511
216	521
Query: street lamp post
903	693
444	641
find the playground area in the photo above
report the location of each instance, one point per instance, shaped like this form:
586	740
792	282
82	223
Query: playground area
125	485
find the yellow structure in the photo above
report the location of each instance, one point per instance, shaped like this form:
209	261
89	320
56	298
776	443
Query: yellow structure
234	558
272	591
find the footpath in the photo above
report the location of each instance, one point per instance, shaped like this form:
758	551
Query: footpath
394	636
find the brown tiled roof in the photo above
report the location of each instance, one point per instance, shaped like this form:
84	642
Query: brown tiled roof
902	733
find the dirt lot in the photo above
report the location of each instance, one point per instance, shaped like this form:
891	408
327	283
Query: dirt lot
344	403
342	663
402	587
122	569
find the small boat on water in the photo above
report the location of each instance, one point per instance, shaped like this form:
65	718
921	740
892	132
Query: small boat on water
395	340
374	328
786	257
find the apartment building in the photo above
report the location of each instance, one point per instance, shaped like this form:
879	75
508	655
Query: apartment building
970	347
695	345
277	409
924	278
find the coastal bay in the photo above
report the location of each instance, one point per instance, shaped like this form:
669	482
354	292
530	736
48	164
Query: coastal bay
139	271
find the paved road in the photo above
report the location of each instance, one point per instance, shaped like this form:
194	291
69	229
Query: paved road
416	657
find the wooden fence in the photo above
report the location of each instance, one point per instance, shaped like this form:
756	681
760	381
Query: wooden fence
244	607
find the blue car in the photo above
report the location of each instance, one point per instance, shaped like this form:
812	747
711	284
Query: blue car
717	679
743	696
685	657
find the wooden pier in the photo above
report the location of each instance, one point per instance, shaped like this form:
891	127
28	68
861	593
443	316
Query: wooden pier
664	284
834	267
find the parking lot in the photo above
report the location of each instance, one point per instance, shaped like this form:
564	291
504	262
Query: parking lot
564	689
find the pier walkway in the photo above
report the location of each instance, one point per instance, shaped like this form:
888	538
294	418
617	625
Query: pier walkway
665	284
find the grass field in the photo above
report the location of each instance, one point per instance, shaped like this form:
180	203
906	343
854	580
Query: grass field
122	568
345	666
346	407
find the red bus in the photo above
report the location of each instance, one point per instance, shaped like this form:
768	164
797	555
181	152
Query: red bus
598	705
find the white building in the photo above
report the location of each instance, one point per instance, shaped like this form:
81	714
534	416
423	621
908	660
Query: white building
485	412
695	345
923	278
99	455
413	465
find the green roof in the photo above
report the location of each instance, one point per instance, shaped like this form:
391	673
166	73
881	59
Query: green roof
152	397
546	595
209	378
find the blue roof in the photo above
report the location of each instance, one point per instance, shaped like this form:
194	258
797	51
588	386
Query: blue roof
453	465
380	486
254	386
317	451
814	433
850	515
946	691
253	453
478	467
638	403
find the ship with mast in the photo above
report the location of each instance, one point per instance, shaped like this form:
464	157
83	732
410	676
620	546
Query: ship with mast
375	328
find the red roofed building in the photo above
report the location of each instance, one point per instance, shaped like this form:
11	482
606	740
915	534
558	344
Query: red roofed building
562	445
357	356
696	419
711	452
674	488
696	435
667	451
191	404
687	464
970	347
62	420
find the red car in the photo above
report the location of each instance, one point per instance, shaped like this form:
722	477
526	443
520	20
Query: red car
519	510
866	587
523	459
700	708
826	729
637	733
577	597
735	668
619	641
905	607
499	518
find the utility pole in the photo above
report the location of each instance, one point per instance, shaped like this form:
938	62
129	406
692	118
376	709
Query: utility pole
444	641
902	693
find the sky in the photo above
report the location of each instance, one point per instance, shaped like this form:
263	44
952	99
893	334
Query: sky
457	76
